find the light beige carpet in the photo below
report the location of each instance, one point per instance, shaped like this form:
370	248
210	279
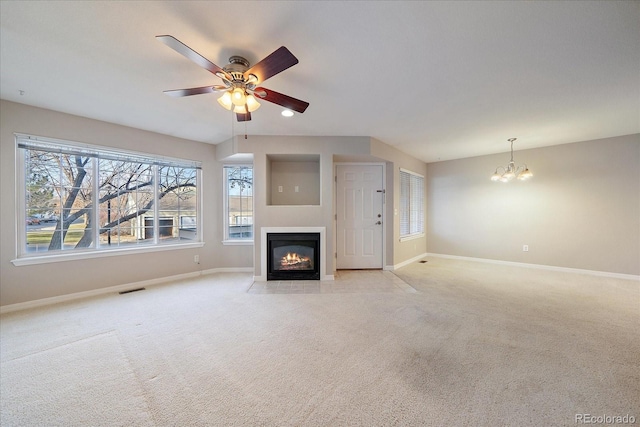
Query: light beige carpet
477	344
83	382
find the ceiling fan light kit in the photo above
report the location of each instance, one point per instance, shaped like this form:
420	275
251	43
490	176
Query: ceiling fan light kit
239	97
240	91
506	174
225	101
252	103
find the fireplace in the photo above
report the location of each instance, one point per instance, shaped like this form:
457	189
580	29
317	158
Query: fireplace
293	256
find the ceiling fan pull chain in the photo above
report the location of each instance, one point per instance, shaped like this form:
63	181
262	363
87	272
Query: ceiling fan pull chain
233	125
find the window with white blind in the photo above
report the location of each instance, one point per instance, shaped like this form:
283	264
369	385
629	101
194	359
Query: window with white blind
238	204
78	200
411	205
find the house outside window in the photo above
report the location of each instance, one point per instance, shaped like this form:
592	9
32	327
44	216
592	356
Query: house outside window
411	205
79	199
238	206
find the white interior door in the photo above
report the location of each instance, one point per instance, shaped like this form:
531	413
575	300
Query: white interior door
359	208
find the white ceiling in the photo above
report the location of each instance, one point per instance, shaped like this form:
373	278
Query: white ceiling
438	80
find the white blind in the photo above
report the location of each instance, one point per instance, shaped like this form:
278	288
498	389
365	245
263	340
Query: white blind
405	203
417	203
411	203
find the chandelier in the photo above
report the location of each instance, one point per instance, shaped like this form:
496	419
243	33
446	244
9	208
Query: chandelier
506	174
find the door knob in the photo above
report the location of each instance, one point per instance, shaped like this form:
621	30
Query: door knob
379	223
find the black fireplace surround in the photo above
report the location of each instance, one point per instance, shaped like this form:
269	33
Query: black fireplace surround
293	256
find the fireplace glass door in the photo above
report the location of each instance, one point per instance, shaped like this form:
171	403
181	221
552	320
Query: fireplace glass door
293	256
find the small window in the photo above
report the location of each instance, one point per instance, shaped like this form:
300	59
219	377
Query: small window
77	198
411	205
238	206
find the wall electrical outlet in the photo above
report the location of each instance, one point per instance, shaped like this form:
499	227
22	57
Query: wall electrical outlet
525	248
279	188
196	259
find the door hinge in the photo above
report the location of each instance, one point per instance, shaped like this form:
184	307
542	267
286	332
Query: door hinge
336	217
335	178
335	255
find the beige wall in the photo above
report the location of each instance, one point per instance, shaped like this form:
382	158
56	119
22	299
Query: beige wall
320	215
330	150
580	210
33	282
401	251
26	283
291	174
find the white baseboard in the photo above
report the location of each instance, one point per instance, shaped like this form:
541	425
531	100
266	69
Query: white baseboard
228	270
541	267
119	288
407	262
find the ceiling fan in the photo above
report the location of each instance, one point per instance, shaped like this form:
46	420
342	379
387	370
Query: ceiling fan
240	87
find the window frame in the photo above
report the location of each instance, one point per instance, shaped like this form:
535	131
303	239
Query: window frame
413	179
25	142
226	240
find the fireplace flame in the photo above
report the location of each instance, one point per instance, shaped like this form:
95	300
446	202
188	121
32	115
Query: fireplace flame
293	259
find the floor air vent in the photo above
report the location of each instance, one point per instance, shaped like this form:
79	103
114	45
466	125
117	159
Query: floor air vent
131	290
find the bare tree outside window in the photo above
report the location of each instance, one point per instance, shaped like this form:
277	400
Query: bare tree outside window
239	202
61	187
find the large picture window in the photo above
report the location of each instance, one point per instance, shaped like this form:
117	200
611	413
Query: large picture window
411	205
238	206
78	198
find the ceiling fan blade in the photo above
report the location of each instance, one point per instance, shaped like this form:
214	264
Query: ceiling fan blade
194	91
191	54
280	99
273	64
243	117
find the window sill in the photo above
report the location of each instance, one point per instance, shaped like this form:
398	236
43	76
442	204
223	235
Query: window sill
58	257
237	242
412	237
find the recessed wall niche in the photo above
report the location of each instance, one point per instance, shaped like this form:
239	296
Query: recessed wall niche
293	179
